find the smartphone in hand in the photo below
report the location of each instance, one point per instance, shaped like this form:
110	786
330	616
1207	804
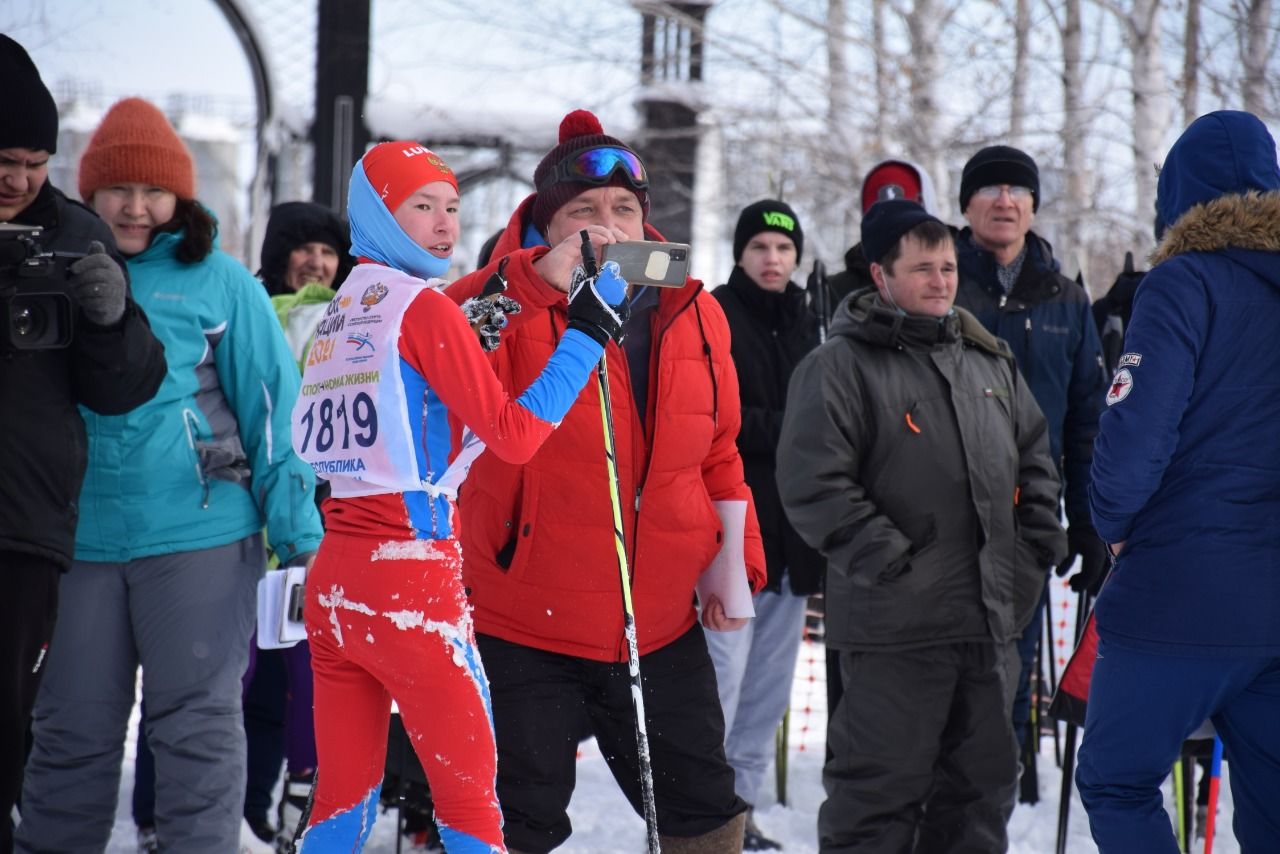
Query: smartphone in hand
649	262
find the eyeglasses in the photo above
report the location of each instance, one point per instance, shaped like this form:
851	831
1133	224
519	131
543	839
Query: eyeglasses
992	192
596	166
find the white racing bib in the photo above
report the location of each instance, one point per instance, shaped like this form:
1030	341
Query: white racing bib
351	420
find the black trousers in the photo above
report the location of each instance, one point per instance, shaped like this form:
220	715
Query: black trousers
923	757
538	700
27	611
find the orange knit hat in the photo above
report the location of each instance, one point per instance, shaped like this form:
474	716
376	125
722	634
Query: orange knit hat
136	144
397	169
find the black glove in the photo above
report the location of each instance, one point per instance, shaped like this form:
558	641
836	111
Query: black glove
99	285
1083	542
598	305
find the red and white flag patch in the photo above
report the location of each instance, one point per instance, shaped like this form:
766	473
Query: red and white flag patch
1121	385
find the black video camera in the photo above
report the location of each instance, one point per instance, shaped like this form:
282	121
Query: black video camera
37	309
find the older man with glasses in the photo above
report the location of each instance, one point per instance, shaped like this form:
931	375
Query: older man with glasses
1010	280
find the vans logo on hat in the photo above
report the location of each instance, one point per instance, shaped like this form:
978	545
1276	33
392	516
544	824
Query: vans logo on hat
777	219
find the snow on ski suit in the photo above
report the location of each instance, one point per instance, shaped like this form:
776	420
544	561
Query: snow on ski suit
393	375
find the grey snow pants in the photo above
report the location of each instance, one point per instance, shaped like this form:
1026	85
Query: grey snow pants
186	618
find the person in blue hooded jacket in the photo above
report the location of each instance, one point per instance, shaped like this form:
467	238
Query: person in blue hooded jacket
169	545
1186	490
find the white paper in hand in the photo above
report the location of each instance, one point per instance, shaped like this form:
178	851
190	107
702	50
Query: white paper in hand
726	577
275	629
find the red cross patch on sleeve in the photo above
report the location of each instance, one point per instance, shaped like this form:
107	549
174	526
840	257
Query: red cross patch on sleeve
1121	385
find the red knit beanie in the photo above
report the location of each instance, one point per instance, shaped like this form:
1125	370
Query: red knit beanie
579	131
135	144
397	169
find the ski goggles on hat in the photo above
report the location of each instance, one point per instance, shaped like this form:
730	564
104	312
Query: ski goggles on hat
596	166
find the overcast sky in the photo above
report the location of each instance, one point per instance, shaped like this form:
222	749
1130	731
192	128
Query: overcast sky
473	55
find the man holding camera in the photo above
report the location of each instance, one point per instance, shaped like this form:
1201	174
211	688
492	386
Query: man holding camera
69	336
538	540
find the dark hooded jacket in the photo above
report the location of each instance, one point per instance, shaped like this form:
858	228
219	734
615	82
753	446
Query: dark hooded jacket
914	457
1047	322
107	369
771	333
855	276
1187	466
292	224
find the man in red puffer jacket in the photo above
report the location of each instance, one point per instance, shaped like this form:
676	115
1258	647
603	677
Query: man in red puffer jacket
538	539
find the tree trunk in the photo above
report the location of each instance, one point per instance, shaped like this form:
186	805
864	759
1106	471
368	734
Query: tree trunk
839	94
1191	64
924	132
1018	93
1073	126
1150	111
881	58
1257	27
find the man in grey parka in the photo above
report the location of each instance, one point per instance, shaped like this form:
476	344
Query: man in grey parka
914	457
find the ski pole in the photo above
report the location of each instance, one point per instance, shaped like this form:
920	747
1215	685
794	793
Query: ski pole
294	841
1053	674
1064	799
780	748
1180	805
817	287
628	613
1215	780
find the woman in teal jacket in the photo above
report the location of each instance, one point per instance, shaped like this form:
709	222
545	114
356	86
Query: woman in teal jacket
169	545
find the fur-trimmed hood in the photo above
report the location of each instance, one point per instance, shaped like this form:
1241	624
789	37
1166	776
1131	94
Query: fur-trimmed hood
1248	221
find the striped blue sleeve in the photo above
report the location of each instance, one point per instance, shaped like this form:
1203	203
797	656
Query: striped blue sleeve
567	371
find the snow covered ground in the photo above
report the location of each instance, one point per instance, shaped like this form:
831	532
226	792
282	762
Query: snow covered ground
604	823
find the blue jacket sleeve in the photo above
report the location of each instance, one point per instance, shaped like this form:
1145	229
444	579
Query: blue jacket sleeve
261	382
567	371
1138	433
1085	401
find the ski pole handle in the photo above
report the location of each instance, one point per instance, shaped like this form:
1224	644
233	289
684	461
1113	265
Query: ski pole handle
589	265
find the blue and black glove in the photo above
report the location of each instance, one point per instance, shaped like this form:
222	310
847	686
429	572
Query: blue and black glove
598	305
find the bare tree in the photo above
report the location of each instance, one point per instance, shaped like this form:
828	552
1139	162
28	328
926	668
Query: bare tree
1141	21
1191	63
839	82
1254	53
1021	49
925	22
880	59
1072	132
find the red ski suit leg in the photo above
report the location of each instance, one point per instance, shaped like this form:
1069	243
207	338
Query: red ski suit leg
389	620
